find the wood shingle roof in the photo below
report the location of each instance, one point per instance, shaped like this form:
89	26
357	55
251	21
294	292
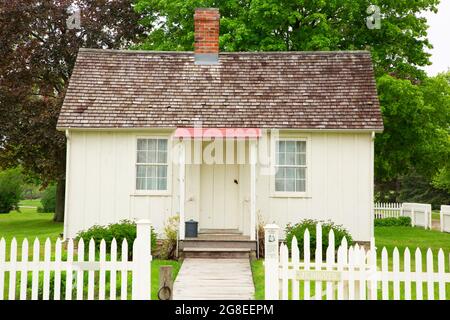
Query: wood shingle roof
295	90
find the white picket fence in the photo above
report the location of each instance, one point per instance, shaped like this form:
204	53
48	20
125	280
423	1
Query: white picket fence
445	218
387	210
47	274
351	273
420	214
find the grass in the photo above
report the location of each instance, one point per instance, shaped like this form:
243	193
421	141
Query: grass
389	237
31	203
29	224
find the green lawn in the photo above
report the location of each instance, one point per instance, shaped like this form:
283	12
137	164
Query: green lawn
29	224
389	237
31	203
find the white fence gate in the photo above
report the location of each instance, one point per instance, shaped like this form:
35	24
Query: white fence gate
48	275
351	273
445	218
387	210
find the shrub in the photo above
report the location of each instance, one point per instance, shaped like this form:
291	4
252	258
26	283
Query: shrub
48	200
168	246
261	237
11	182
393	222
298	230
125	229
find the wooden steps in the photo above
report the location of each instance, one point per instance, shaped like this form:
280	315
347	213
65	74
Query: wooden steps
218	244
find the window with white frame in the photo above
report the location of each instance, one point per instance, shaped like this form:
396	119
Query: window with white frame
290	166
151	164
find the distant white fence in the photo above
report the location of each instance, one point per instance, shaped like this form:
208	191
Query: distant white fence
387	210
445	218
47	274
420	214
351	273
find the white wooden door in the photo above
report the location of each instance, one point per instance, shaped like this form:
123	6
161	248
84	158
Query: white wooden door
219	207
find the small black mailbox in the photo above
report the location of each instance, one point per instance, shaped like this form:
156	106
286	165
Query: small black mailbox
191	229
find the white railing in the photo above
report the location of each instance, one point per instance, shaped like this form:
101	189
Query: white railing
351	272
445	218
387	210
49	275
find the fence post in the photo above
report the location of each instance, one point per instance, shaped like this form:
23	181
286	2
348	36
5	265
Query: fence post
141	285
271	262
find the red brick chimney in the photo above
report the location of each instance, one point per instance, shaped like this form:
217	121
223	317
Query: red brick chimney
206	23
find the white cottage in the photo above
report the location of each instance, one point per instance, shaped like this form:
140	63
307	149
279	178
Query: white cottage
230	140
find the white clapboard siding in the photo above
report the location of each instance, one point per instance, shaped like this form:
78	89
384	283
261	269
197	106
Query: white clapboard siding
73	269
355	274
445	218
387	210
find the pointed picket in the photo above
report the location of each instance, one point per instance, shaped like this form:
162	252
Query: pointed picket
101	289
35	273
13	270
396	273
351	274
318	260
441	271
384	271
407	270
362	274
430	272
124	273
330	261
296	266
113	273
80	272
91	273
47	262
24	270
307	262
340	268
57	280
2	264
284	260
419	289
69	270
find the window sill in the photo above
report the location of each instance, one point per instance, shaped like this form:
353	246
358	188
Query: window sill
302	195
151	194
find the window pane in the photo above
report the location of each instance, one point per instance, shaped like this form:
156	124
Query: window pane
141	171
301	146
300	159
290	185
290	146
151	171
162	171
142	144
151	184
279	185
162	157
300	185
151	144
281	158
280	174
142	157
290	173
281	146
290	158
151	156
140	184
162	183
300	173
162	145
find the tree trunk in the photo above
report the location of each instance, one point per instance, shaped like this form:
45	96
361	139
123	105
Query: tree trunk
60	200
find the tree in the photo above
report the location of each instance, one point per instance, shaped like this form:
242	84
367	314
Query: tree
38	53
11	187
399	47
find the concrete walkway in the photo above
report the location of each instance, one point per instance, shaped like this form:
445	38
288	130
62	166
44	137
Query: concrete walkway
214	279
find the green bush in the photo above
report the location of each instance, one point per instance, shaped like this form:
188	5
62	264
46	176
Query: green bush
298	230
125	229
393	222
48	200
11	188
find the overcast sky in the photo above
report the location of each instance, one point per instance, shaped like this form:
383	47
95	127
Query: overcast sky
439	36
